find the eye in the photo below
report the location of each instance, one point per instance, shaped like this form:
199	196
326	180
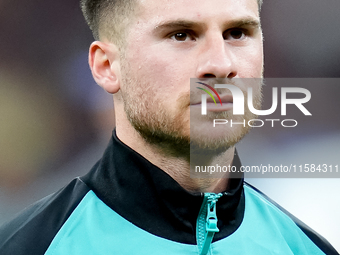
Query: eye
234	34
181	36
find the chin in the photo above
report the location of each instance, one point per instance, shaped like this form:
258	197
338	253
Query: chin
220	138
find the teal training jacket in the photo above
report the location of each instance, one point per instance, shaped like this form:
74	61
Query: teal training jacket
126	205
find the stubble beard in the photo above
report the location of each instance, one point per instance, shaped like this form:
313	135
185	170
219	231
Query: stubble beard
170	130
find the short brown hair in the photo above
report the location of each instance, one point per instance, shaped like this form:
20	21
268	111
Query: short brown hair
108	17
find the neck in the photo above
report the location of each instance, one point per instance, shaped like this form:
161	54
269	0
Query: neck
178	165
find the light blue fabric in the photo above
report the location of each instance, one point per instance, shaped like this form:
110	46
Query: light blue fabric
265	230
93	228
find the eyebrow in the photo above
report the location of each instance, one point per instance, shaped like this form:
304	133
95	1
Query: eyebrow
176	24
249	22
242	22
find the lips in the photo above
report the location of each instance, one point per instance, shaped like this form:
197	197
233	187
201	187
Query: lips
227	103
225	99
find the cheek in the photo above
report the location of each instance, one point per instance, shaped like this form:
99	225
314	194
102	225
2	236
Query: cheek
160	71
250	63
148	65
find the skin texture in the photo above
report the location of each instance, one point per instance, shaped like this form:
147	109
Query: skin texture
169	42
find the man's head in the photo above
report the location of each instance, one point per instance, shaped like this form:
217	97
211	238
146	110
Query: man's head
165	43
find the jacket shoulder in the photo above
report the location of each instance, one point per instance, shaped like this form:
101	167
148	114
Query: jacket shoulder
32	231
317	239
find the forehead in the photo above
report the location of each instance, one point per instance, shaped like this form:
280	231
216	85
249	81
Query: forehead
158	11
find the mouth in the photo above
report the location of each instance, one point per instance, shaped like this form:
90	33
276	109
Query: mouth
226	103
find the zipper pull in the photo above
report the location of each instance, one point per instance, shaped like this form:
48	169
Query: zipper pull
210	227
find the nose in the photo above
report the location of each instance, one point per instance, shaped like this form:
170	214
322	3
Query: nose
216	59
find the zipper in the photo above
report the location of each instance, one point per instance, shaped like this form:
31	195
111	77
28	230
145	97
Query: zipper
206	225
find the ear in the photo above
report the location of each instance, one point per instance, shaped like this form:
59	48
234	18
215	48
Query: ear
105	67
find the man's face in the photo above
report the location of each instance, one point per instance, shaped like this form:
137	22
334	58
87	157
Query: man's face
172	41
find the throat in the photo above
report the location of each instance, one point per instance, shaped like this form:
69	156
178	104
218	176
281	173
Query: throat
182	169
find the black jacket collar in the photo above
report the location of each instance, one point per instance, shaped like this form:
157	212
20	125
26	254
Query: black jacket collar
149	198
